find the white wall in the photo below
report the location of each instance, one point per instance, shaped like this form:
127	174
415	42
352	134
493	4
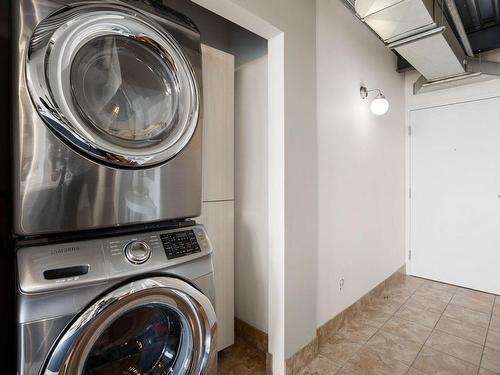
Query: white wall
292	268
360	161
251	213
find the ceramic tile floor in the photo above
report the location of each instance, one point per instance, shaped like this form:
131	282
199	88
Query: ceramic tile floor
241	359
417	327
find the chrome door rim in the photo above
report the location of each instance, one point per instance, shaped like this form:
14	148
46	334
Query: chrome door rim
55	42
68	355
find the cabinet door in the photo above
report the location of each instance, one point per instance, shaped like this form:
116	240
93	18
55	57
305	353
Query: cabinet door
218	125
218	218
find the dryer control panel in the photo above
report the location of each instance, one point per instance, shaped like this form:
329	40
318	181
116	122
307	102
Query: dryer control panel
57	266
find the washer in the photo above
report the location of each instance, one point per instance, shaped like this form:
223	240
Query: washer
107	115
136	304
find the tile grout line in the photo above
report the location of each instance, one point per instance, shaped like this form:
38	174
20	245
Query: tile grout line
393	315
415	291
440	330
487	334
377	330
432	331
451	355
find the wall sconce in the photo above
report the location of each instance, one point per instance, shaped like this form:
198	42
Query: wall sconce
379	105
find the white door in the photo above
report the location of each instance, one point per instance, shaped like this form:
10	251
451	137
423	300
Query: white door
455	194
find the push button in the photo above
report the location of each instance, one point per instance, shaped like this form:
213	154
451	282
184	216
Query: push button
137	252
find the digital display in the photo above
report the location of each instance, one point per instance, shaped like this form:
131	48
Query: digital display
178	244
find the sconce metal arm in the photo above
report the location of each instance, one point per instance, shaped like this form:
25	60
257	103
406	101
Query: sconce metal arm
363	92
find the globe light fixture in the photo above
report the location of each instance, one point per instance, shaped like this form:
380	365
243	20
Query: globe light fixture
379	105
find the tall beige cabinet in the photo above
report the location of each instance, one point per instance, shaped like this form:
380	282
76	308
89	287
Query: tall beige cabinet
218	181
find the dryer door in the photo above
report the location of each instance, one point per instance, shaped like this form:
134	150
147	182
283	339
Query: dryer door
153	326
113	84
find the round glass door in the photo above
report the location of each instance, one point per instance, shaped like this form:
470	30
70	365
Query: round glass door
154	326
115	86
125	90
149	339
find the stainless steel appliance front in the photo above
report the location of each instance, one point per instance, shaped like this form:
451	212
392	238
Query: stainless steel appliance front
86	308
107	115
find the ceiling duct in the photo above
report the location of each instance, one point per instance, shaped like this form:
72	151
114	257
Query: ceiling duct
419	31
477	70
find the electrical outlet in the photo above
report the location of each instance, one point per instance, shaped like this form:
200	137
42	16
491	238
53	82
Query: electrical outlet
341	284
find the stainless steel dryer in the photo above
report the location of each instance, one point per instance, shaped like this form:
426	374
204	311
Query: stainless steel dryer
136	304
107	115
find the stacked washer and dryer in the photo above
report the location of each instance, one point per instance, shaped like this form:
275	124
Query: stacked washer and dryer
112	276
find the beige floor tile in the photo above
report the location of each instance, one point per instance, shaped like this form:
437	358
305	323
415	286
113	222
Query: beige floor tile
414	371
483	371
495	323
496	307
455	346
462	329
392	297
491	359
493	339
413	282
397	294
434	294
473	300
373	317
387	305
433	362
464	314
407	329
418	315
440	286
240	369
346	370
369	362
389	345
356	331
320	366
476	294
427	303
404	290
339	350
410	285
241	358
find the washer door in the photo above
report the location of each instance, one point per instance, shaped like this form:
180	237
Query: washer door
113	84
158	326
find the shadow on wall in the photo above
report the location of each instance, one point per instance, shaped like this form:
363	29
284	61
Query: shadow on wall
250	280
250	52
217	32
251	193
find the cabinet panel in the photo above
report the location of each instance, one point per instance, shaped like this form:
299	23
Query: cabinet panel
218	125
218	218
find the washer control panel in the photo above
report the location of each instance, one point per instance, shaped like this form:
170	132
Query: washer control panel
63	265
178	244
137	252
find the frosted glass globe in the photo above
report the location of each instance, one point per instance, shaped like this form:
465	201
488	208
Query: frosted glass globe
379	105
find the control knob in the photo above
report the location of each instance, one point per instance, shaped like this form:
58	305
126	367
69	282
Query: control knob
137	252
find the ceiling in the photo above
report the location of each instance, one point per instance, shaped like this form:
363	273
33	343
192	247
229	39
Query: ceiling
481	20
